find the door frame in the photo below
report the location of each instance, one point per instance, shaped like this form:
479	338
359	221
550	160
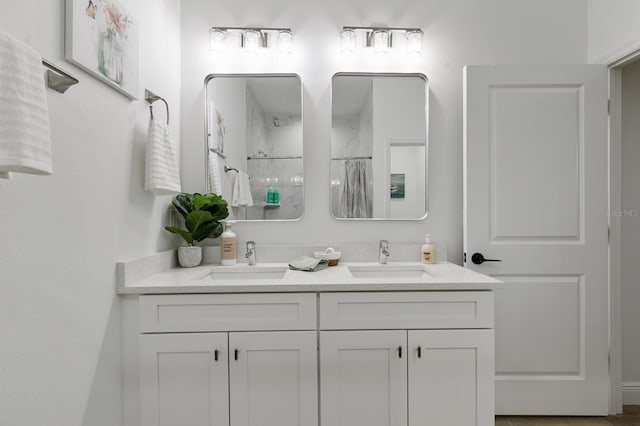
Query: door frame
615	236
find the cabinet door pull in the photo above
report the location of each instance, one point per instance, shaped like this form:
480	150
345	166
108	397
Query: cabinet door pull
400	351
419	350
215	355
235	354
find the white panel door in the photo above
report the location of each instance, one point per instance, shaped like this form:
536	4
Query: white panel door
535	191
184	380
273	378
363	378
451	377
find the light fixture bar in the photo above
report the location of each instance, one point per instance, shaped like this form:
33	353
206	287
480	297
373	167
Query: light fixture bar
252	38
380	38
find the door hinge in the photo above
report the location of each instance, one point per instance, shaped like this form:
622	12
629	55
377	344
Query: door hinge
464	257
608	106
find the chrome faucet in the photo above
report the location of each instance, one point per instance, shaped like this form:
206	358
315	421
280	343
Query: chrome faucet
251	252
383	251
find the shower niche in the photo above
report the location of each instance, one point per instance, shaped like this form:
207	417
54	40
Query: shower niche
379	146
254	129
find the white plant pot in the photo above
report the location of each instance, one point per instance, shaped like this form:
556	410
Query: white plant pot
188	257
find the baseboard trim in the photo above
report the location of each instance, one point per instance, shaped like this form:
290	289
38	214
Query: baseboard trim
631	393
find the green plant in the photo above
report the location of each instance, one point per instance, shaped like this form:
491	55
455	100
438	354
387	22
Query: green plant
202	215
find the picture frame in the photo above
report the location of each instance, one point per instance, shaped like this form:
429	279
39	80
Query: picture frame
397	185
102	38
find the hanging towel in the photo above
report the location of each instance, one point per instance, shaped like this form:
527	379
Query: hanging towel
215	183
241	193
162	176
25	140
355	200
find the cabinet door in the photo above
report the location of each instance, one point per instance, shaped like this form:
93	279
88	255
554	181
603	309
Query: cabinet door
363	378
274	378
184	380
451	377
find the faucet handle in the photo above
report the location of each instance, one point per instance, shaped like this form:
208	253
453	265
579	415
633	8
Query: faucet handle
384	244
251	245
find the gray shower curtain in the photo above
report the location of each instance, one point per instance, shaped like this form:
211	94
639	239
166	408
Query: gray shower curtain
355	197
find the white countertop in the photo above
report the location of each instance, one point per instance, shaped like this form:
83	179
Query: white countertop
440	276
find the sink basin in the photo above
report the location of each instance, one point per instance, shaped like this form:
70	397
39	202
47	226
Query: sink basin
246	273
391	271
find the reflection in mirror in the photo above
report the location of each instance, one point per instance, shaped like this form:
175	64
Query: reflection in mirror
379	146
254	144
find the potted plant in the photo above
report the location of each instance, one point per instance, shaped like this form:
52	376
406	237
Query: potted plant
202	215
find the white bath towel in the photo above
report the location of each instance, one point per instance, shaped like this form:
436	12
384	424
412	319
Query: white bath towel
25	140
215	183
241	193
162	175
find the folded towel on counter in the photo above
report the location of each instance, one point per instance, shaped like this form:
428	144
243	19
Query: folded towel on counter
308	264
25	140
215	183
241	192
162	176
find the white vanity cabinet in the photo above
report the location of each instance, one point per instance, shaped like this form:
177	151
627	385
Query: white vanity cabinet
398	358
203	363
377	358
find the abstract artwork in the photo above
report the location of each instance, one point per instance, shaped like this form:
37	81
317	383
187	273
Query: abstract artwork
102	39
397	185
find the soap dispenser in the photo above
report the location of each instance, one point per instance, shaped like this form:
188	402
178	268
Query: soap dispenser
228	245
428	251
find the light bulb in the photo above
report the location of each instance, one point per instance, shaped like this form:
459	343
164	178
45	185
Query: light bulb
381	41
347	41
285	41
216	39
414	41
251	40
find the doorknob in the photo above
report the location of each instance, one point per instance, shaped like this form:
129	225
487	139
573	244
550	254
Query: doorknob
478	258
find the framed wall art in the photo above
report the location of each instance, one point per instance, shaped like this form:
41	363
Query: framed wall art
102	38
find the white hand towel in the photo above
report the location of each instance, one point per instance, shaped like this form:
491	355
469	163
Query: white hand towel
162	176
25	140
241	194
215	183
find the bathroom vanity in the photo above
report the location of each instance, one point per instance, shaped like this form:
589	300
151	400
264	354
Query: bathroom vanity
356	344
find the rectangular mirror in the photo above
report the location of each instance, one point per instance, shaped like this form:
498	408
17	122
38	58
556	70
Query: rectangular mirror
379	146
254	144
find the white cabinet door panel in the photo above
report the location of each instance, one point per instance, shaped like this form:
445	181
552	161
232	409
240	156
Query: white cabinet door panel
363	378
273	378
451	377
184	380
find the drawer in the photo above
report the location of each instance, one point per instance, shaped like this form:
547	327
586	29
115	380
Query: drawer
227	312
406	310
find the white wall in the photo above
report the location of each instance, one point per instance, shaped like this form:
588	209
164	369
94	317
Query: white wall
457	32
61	235
630	268
612	29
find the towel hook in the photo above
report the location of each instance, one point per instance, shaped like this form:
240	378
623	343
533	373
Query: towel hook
151	97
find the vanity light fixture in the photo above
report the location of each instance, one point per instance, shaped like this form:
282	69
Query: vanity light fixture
380	38
252	39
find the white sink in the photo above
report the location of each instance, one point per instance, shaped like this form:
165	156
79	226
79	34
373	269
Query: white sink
246	273
391	271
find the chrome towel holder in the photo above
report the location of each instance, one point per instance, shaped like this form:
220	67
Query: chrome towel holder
151	97
58	79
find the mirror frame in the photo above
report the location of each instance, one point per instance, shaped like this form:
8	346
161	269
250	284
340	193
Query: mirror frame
426	111
223	156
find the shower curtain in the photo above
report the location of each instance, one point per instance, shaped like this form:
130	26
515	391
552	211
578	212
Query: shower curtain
355	197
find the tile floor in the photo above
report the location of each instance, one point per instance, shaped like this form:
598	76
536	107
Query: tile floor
630	417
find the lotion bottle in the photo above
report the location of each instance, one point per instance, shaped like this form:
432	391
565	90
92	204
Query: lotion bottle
428	251
228	245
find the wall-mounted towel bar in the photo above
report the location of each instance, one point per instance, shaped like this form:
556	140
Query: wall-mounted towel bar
57	79
216	151
151	97
227	169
